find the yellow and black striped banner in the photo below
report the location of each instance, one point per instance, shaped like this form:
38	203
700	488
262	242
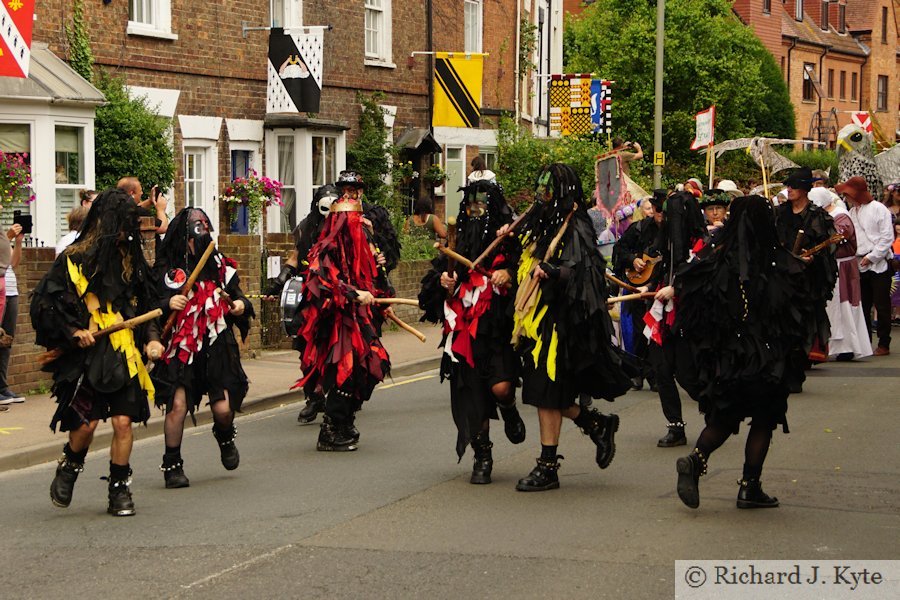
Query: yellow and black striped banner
457	89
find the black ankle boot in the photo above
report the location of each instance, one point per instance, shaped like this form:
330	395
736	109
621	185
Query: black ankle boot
690	468
64	482
513	425
120	502
542	477
172	468
674	436
484	461
350	429
229	454
333	437
751	495
314	405
602	430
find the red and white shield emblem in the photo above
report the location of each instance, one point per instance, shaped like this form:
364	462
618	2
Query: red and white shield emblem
16	21
863	120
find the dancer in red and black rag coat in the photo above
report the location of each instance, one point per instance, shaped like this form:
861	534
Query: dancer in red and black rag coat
341	355
202	356
478	358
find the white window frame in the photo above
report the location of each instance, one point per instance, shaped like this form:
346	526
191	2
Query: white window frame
71	188
157	25
473	29
384	56
209	194
291	13
798	10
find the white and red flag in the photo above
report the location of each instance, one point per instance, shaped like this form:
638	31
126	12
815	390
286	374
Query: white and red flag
863	120
16	21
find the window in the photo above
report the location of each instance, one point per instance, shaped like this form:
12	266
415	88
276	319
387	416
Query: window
843	87
241	163
884	24
825	15
831	83
193	177
286	176
882	101
767	6
808	85
378	31
324	158
286	13
69	175
15	138
151	18
454	165
853	83
842	18
798	10
473	27
490	158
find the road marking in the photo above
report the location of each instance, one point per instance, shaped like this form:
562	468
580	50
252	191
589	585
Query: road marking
413	380
6	430
238	566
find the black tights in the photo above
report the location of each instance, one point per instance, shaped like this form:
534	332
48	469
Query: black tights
757	447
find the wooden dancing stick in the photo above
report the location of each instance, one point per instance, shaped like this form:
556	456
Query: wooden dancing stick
51	355
493	245
524	300
625	298
454	256
170	322
404	301
620	283
798	242
406	326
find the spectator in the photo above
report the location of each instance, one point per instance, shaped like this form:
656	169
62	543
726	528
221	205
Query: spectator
154	206
623	148
86	197
892	200
480	171
895	294
424	218
75	218
10	314
874	236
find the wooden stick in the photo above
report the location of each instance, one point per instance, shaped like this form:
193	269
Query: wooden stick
620	283
170	322
534	282
404	301
51	355
798	242
627	297
455	256
406	326
493	245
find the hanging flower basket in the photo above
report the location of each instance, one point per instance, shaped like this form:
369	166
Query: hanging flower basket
252	193
15	178
435	176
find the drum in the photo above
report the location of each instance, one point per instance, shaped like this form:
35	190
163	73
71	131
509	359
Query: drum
291	295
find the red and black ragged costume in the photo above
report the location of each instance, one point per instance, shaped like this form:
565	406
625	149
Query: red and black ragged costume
341	355
202	353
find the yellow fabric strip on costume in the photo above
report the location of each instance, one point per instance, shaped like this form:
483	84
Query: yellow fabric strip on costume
529	322
122	341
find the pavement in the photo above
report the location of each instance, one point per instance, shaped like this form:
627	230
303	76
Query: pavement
26	438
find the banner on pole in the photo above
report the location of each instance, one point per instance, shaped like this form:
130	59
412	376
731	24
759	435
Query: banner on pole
706	128
601	106
570	104
862	120
16	22
294	71
457	89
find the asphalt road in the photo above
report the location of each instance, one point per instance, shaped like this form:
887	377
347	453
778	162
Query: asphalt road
399	519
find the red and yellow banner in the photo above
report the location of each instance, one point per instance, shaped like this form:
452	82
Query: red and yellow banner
16	21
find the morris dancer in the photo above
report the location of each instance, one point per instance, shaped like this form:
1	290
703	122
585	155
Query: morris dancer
202	357
478	358
562	328
96	282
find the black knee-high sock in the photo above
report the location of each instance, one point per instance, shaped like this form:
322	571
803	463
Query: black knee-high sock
756	449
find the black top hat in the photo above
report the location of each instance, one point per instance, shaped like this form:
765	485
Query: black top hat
801	179
659	198
351	178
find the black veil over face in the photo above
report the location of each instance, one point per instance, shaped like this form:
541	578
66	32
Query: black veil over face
174	251
558	192
482	211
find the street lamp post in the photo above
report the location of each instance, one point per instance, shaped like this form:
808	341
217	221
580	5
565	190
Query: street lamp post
658	107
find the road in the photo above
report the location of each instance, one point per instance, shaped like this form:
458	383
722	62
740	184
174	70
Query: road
399	519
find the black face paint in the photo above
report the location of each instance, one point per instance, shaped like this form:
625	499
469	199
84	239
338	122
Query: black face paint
199	231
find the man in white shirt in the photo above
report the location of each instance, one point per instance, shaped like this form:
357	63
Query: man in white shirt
874	236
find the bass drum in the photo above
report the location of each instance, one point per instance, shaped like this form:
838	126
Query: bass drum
291	295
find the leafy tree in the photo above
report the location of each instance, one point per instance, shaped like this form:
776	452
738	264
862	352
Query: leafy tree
130	138
711	58
370	153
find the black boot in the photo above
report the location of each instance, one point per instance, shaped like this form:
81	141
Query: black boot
231	458
751	495
542	477
120	502
513	425
350	429
64	482
333	437
637	383
602	430
484	462
173	471
314	405
674	436
690	468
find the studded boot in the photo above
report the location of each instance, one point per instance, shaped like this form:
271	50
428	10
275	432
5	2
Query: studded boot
228	452
602	431
751	495
484	461
172	468
689	469
542	477
120	502
333	437
315	404
64	482
350	429
513	425
674	436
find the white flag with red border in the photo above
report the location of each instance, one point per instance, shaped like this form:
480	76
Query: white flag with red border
16	21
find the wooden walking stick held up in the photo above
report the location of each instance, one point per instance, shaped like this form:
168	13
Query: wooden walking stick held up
170	322
493	245
51	355
526	293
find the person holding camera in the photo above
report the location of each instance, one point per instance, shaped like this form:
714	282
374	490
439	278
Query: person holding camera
155	204
11	311
628	151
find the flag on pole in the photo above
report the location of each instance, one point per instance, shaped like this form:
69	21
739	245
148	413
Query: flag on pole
706	128
16	20
601	106
457	89
863	120
570	104
294	71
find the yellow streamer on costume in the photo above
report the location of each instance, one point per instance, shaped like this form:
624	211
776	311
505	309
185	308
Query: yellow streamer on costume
121	341
529	322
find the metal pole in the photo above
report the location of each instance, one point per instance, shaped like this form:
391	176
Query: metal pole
658	108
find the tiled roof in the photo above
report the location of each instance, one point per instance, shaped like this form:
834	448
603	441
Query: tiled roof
861	15
809	31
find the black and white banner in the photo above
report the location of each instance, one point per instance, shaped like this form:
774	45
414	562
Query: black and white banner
295	71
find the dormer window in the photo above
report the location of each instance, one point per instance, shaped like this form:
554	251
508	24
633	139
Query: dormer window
825	15
798	10
842	18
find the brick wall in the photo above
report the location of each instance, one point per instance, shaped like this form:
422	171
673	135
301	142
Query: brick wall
407	278
24	373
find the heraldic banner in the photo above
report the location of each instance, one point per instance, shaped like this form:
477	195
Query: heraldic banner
16	21
295	71
570	104
457	89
